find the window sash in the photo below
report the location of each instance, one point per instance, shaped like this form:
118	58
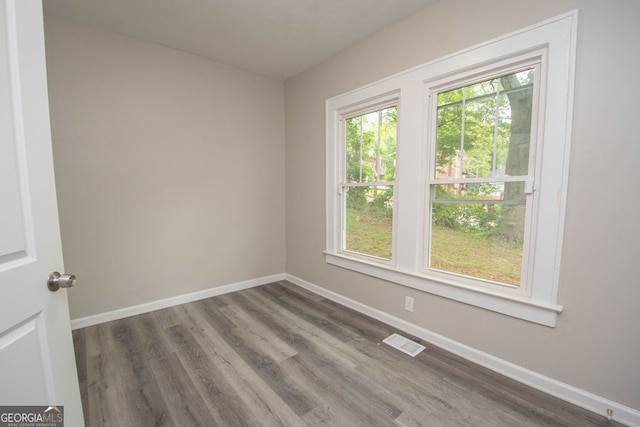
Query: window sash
521	289
344	217
377	104
452	83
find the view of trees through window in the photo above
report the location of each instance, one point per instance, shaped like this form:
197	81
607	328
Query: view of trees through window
477	197
370	176
481	166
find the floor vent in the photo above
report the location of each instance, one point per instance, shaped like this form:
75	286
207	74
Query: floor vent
403	344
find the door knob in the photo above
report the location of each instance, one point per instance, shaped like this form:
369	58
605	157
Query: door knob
57	281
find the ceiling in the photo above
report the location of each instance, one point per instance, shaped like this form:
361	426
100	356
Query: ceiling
277	38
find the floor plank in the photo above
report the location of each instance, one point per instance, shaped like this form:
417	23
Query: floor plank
279	355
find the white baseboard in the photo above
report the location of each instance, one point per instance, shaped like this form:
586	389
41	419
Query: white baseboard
83	322
576	396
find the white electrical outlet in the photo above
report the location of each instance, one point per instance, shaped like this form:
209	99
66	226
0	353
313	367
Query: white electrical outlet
408	304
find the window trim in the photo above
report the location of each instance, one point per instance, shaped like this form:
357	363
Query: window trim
555	40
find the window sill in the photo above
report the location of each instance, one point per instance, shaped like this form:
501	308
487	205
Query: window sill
520	307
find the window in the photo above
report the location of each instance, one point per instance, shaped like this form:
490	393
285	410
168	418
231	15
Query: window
369	178
482	174
451	178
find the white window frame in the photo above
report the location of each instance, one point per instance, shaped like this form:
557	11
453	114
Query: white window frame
553	43
343	114
533	59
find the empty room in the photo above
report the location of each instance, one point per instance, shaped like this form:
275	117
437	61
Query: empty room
286	212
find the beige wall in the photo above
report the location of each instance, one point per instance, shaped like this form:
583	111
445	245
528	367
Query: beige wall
169	169
596	344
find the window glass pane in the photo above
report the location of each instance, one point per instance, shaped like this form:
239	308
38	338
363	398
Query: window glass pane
371	146
448	142
479	137
477	230
504	140
484	129
369	220
485	88
515	121
450	97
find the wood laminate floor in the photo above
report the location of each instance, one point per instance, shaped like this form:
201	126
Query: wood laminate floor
280	355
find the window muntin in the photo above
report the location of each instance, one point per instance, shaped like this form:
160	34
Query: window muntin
483	135
368	186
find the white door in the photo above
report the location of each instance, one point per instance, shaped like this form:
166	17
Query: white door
37	363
